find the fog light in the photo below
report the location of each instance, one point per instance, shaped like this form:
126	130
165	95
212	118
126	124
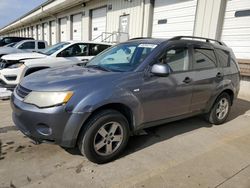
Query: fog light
43	129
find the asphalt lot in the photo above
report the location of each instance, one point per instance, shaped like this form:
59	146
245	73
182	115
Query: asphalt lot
187	153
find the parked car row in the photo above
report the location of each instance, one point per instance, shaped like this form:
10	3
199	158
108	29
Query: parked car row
23	46
126	88
15	66
8	40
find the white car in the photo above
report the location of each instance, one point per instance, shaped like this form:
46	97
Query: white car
14	67
23	46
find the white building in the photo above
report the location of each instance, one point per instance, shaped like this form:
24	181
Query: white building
60	20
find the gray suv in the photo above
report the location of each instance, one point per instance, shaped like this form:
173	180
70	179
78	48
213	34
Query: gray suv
128	87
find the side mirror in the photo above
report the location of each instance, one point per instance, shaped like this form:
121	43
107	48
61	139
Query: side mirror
64	54
160	70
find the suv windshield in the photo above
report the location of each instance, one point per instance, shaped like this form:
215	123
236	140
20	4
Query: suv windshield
123	57
11	44
54	48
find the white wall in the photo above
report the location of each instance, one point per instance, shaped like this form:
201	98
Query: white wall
209	18
136	9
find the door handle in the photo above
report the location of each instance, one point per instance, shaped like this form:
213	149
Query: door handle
219	75
187	80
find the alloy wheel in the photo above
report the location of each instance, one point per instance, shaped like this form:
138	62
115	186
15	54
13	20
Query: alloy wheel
108	138
222	108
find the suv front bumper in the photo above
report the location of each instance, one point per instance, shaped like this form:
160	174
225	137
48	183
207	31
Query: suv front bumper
53	125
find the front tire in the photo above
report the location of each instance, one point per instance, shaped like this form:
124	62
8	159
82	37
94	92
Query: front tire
105	136
220	110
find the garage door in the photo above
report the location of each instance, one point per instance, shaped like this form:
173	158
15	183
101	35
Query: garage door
173	17
46	32
98	22
53	32
63	29
34	32
24	32
236	27
77	27
39	32
29	32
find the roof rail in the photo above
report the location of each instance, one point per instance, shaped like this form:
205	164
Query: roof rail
200	38
141	38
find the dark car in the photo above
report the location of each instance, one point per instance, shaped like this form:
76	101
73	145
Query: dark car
131	86
8	40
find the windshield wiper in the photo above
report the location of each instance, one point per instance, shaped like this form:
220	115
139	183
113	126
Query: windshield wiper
98	67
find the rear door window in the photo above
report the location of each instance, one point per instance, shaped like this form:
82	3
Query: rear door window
41	45
95	49
204	59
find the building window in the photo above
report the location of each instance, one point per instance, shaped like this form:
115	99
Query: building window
242	13
163	21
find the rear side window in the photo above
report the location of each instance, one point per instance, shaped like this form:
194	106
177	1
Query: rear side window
95	49
204	59
27	45
41	45
223	57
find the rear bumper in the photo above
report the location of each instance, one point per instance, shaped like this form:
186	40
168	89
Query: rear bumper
53	125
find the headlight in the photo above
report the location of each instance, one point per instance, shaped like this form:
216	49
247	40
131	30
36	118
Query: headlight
48	99
14	66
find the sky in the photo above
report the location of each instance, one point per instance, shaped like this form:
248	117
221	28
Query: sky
10	10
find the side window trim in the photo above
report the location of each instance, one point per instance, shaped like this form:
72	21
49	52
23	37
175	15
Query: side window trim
88	47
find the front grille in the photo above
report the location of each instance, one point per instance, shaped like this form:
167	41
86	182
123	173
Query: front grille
22	91
11	78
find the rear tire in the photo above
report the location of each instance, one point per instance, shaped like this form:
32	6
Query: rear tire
220	110
105	136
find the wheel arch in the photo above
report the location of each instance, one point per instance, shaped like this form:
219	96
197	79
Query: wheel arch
229	91
120	107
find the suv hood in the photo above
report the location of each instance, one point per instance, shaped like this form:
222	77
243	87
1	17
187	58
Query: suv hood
8	50
23	56
68	78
